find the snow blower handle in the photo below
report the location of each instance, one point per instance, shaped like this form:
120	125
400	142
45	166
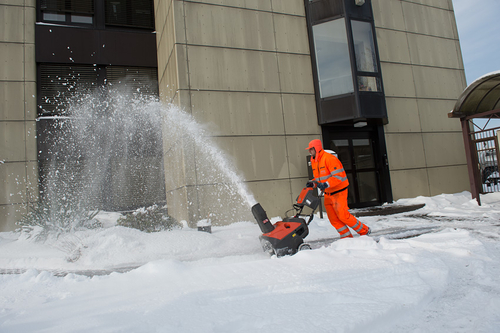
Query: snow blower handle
315	184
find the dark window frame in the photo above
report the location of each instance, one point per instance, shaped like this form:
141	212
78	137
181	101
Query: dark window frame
98	13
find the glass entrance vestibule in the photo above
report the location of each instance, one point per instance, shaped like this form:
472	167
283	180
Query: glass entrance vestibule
350	98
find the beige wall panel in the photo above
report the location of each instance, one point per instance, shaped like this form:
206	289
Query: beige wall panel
29	62
434	116
257	158
438	83
11	64
293	7
162	56
13	183
165	38
398	80
31	145
219	205
167	30
409	183
180	68
452	179
295	73
12	141
239	113
229	27
405	151
291	34
161	12
388	14
11	101
434	51
300	114
175	169
274	196
179	26
427	20
403	115
250	4
393	46
9	215
232	69
29	24
183	98
32	183
169	83
11	24
297	154
177	203
31	109
444	149
444	4
454	24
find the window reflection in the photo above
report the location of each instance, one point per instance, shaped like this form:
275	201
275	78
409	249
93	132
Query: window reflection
332	58
368	83
366	60
341	147
363	153
368	187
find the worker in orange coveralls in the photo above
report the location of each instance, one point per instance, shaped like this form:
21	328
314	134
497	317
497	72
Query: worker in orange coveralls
330	177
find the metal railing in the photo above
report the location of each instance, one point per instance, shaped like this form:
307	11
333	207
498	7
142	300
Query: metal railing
486	148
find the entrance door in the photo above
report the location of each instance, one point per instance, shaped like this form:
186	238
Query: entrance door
360	155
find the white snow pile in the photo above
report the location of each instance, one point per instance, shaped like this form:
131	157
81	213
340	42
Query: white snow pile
190	281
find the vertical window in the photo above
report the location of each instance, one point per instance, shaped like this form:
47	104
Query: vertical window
332	58
366	59
365	55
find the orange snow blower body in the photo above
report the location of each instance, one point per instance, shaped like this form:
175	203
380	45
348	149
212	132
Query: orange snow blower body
287	237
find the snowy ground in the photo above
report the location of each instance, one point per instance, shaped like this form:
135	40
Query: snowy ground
190	281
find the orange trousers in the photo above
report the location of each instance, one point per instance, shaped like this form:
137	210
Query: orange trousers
339	216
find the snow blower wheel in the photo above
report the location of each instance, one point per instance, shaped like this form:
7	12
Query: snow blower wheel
304	246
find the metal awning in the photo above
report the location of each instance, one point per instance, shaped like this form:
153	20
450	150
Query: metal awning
481	99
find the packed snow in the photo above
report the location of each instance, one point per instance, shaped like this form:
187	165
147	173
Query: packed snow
116	279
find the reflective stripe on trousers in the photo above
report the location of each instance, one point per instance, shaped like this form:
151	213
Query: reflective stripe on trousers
344	232
339	216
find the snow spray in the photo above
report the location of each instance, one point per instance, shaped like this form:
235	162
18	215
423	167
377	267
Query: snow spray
104	143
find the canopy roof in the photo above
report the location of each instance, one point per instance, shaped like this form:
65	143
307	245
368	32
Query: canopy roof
481	99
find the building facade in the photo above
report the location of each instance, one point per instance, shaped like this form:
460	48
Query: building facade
373	79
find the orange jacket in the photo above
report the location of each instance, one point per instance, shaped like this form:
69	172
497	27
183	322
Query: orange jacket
328	168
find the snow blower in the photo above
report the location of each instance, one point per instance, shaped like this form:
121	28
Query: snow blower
287	237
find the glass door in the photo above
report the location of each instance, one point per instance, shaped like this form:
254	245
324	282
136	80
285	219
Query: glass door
358	154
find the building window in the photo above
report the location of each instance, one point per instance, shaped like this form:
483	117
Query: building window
366	59
332	58
116	160
58	83
68	11
141	80
365	55
130	13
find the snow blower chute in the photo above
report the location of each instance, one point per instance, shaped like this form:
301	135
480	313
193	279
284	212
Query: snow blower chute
287	237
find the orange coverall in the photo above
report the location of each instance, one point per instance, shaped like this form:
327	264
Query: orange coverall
328	168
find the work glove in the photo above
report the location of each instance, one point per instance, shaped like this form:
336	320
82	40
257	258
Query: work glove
310	184
323	186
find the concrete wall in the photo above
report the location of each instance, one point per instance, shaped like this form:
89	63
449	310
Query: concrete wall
244	68
423	76
18	156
